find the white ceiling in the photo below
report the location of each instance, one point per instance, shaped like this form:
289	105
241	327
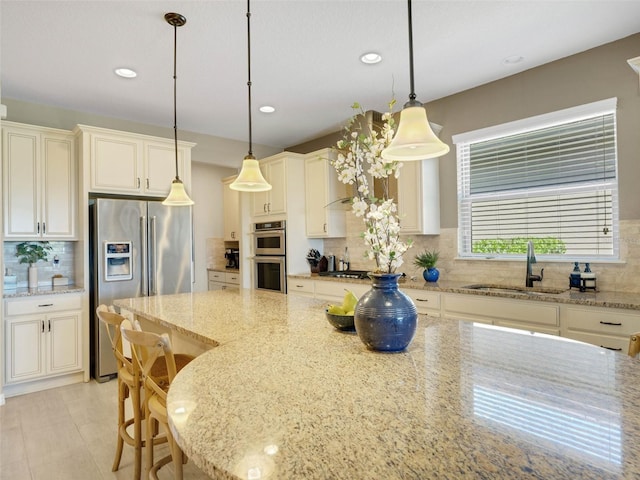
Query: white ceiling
304	56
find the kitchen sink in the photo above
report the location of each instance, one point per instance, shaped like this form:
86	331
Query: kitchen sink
515	289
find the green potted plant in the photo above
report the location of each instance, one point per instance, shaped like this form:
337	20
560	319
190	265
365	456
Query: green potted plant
427	260
31	253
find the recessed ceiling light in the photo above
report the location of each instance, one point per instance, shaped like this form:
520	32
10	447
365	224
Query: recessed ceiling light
267	109
371	58
125	73
512	60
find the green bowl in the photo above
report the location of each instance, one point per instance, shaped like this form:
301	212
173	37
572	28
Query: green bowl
341	322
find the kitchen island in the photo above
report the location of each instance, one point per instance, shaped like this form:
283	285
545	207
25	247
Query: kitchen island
283	395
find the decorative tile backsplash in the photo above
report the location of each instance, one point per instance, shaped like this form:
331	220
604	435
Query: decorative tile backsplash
64	251
615	276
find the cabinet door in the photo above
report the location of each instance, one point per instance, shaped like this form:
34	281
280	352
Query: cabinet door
116	164
24	343
64	346
419	197
277	177
59	179
231	211
160	168
324	218
272	201
21	172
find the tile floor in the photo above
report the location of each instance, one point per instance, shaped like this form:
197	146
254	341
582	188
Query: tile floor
68	433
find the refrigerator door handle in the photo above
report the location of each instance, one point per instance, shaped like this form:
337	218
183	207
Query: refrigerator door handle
153	258
143	254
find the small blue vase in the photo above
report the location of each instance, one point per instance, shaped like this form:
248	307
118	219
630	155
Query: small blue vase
431	274
385	318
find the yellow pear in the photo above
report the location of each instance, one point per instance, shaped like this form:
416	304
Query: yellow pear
349	302
335	310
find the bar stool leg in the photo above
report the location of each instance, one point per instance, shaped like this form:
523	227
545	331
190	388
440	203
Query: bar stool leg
122	395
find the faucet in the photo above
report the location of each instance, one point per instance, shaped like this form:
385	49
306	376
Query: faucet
531	259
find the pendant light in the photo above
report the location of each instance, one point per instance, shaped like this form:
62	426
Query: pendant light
177	196
414	139
250	178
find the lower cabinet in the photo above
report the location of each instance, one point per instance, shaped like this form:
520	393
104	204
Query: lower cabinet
606	327
39	345
224	280
427	303
539	317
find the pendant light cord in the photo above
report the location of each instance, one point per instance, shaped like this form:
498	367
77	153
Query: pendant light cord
249	73
412	94
175	89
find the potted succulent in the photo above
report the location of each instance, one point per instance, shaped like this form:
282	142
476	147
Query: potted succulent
427	260
31	253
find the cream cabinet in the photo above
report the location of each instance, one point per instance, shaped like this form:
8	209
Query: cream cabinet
606	327
219	280
43	337
231	211
533	316
325	216
302	287
39	183
274	201
132	164
427	302
419	197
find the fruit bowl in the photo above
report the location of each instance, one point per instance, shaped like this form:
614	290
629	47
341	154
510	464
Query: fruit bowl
340	322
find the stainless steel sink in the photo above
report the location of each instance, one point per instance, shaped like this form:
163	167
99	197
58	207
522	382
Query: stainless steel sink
515	289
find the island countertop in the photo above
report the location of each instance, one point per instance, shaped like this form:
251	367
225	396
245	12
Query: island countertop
284	395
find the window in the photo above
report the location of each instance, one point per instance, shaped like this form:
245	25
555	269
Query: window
551	179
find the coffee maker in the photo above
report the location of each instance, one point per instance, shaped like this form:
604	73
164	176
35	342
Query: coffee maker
232	256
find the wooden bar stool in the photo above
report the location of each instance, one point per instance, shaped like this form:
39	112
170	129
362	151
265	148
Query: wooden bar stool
128	385
147	350
634	344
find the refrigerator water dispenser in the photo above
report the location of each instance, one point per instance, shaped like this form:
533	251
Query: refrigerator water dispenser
117	261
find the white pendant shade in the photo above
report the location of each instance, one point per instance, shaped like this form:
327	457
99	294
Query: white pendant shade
178	195
414	139
250	178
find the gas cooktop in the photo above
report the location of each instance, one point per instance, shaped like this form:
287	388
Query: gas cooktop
357	274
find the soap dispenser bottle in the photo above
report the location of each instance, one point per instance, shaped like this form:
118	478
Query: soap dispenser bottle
574	278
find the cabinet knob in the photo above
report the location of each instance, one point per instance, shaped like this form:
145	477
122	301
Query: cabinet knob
138	182
44	227
611	323
147	184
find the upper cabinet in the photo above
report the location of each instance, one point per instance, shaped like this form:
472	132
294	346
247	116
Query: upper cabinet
325	215
39	182
231	210
272	202
132	164
419	197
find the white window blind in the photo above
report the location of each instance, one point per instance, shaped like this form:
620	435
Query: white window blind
555	184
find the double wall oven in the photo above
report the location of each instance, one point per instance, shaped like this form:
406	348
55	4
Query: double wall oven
270	256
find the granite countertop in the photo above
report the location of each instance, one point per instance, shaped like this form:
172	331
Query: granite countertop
286	396
223	269
630	301
41	290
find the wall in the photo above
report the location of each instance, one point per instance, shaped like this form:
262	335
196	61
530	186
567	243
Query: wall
207	224
593	75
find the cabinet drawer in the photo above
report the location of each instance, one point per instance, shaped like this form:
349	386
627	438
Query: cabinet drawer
602	321
217	276
42	304
425	301
610	342
300	286
232	278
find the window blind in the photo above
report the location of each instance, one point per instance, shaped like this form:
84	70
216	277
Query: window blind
555	185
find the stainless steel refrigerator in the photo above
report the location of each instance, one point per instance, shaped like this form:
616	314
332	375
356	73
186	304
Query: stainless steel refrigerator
138	248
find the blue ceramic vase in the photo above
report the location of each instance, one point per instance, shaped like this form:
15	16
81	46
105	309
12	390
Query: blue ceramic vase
431	274
385	318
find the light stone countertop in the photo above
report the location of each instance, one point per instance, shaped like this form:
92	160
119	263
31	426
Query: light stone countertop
41	290
629	301
286	396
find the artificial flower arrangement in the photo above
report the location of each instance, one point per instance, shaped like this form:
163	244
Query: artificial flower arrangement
358	153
